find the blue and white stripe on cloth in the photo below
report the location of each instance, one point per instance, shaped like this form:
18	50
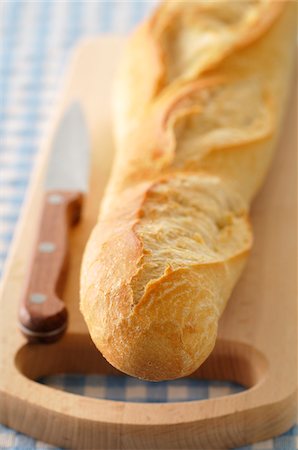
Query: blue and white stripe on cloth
35	42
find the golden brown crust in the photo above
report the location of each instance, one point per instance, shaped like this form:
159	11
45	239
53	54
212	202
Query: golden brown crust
171	13
195	137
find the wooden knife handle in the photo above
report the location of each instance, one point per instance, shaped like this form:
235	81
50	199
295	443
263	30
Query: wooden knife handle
42	314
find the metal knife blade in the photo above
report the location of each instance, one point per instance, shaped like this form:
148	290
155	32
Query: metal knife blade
68	165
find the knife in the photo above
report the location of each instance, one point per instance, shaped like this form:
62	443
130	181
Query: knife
42	314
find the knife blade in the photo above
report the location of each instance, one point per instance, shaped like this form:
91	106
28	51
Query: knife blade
42	314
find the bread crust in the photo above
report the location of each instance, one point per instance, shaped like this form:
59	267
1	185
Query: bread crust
194	142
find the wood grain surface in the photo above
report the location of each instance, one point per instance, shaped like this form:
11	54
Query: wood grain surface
257	338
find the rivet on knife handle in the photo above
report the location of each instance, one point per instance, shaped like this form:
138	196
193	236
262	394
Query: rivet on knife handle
43	315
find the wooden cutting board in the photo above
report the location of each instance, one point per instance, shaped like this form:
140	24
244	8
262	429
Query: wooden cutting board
257	338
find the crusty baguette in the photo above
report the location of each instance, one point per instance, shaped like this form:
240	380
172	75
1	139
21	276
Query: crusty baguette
198	107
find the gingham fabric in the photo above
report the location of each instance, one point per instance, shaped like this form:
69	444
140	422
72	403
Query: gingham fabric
35	42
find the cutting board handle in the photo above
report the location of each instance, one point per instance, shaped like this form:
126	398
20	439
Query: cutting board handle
82	422
42	314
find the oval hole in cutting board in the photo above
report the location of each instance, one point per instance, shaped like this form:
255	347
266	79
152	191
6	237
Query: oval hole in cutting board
125	388
231	368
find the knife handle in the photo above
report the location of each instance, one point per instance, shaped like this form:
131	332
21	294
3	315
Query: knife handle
42	314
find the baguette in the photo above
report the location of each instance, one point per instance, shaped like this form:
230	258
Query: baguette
199	102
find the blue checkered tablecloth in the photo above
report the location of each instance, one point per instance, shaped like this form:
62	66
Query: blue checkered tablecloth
35	41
